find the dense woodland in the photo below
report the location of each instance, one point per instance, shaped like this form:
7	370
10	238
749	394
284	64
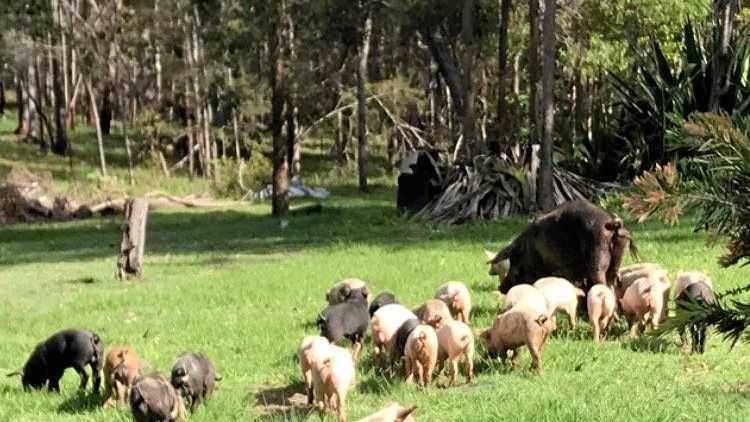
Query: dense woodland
216	89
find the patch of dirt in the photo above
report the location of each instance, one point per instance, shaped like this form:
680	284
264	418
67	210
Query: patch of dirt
281	400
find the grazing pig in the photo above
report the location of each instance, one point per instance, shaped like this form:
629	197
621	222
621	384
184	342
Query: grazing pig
434	312
152	398
686	278
341	291
311	349
577	241
561	295
194	376
515	328
628	275
402	335
455	339
643	303
457	297
348	319
392	412
420	355
601	304
333	376
385	324
527	296
702	293
384	298
65	349
121	368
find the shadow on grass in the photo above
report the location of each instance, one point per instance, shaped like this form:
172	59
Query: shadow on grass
221	233
282	402
80	402
648	343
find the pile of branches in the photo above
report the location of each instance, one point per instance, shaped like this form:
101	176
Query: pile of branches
496	187
26	198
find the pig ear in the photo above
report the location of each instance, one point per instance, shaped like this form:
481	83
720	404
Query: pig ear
405	412
505	263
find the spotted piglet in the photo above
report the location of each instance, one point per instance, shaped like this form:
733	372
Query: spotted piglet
420	355
514	329
601	304
454	340
457	297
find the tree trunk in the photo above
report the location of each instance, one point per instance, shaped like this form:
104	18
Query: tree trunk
546	198
22	129
97	125
362	99
724	13
130	262
32	117
2	96
105	115
157	60
60	140
533	58
469	124
280	197
59	87
503	114
435	41
293	146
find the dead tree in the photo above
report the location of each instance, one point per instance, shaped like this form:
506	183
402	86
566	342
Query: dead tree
130	262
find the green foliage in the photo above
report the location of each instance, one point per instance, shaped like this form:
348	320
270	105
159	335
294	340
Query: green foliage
236	178
662	93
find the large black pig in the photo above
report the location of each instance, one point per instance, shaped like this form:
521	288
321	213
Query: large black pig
578	241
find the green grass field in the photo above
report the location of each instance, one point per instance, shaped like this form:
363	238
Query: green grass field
233	284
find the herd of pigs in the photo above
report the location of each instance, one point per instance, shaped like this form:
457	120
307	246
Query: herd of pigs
564	258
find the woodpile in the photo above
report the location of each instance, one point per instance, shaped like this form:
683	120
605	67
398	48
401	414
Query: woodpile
494	187
27	198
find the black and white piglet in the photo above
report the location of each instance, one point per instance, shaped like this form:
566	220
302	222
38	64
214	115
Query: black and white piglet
65	349
349	320
402	335
152	398
194	376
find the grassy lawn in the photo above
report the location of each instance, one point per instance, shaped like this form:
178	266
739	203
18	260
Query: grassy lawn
234	285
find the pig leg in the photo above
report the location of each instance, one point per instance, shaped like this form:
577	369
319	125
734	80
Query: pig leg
514	355
108	399
408	370
469	364
597	330
536	358
703	331
307	376
96	374
420	372
571	311
81	373
430	370
121	390
54	380
355	350
454	371
340	406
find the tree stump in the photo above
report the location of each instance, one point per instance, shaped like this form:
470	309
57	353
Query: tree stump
130	262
